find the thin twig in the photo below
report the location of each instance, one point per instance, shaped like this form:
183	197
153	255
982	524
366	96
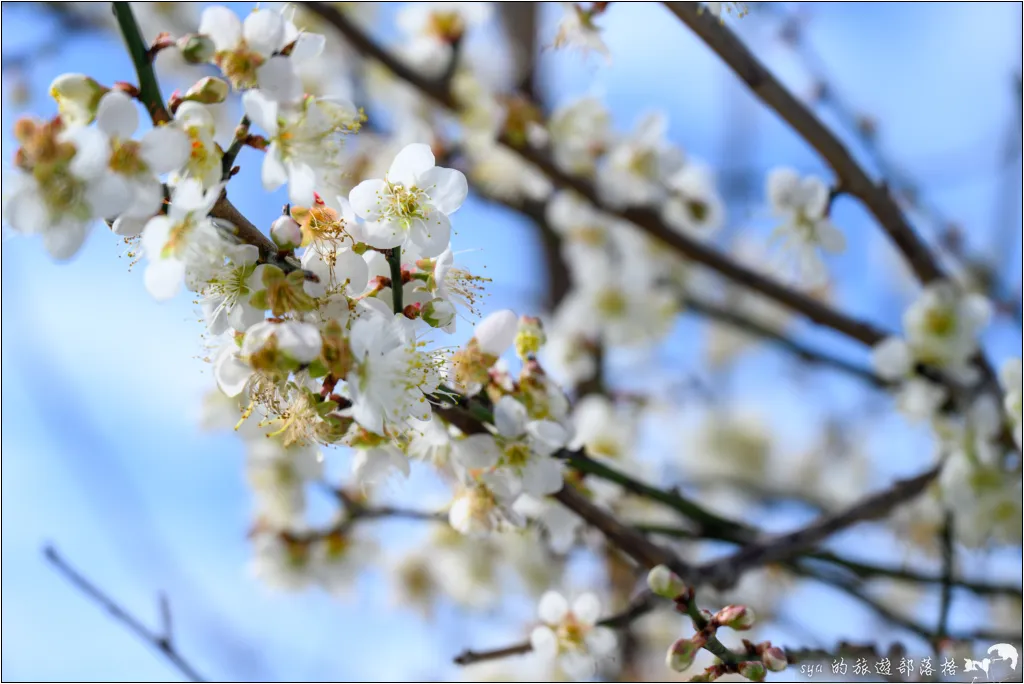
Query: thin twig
948	570
241	135
395	264
724	573
161	642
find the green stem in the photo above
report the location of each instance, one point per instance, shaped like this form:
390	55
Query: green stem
395	261
149	89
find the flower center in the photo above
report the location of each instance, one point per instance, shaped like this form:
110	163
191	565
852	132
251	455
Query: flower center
612	303
940	322
126	160
239	65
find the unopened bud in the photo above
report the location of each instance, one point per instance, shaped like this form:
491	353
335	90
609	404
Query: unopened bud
197	48
665	583
529	337
286	232
774	658
438	313
78	97
681	655
208	90
753	670
735	617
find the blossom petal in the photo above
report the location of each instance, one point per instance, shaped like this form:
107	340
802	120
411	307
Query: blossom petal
230	373
165	149
263	31
278	80
447	188
117	115
63	242
601	641
367	198
587	608
261	110
383	234
510	417
301	184
476	451
409	164
892	359
431	235
164	278
308	46
544	642
542	476
552	608
496	333
222	26
273	174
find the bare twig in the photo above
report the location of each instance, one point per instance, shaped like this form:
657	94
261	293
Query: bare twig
161	642
948	570
724	573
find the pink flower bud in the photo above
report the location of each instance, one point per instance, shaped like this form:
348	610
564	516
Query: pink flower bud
286	232
681	654
753	670
735	617
774	658
665	583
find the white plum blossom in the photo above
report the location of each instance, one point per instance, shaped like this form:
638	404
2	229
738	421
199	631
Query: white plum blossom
225	296
338	268
269	347
602	429
577	31
635	169
411	204
943	325
521	447
304	144
484	503
391	376
571	636
803	206
278	476
580	131
66	185
205	156
693	206
78	97
184	238
375	465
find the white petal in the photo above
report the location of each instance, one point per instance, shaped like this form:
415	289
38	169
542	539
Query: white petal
64	241
550	435
477	451
147	194
369	416
447	188
165	149
188	196
261	110
127	226
274	174
231	374
413	161
351	267
92	152
831	238
164	278
109	195
264	31
278	80
497	332
366	199
542	476
432	235
222	26
552	608
301	184
892	359
544	642
308	46
117	115
510	417
601	641
26	210
587	608
383	234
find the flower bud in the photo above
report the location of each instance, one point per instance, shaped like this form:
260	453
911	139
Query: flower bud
753	670
78	97
286	232
735	617
438	313
681	654
529	337
208	90
774	658
197	48
665	583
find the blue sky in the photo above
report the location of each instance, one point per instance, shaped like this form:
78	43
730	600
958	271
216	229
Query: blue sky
102	454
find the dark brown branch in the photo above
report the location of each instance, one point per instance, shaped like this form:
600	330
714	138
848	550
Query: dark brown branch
161	642
724	573
851	176
638	607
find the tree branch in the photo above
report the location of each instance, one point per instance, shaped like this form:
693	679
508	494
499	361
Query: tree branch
161	642
724	573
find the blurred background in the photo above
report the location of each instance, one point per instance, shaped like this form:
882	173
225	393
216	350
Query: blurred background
104	455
